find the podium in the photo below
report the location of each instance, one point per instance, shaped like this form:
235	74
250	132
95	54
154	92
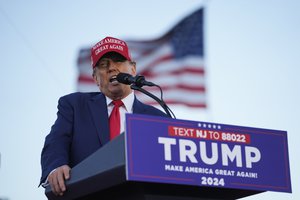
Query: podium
104	175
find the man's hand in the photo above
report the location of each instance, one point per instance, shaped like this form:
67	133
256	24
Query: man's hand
57	179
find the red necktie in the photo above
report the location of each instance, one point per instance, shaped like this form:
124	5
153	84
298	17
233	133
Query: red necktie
114	119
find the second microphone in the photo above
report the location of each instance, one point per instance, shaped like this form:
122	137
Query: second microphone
138	80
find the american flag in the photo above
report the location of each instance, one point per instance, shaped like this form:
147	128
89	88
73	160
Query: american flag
174	61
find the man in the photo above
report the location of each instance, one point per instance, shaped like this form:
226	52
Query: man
86	121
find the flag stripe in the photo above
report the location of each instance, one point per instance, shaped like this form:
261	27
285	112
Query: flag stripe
85	79
184	70
179	94
176	96
166	65
177	87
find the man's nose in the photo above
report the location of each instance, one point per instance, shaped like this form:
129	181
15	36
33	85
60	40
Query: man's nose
112	67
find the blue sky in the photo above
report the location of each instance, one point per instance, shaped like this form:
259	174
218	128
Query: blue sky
252	59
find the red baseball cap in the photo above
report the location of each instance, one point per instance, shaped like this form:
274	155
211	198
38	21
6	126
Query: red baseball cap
109	44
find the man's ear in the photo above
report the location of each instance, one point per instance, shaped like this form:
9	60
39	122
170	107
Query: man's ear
133	69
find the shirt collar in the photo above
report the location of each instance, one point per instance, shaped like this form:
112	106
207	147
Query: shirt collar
127	101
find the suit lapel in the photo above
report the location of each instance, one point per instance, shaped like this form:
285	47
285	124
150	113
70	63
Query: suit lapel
138	107
98	109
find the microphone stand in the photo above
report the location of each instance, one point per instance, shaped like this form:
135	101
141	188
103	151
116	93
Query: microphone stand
161	102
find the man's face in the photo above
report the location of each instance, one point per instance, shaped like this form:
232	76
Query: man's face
105	76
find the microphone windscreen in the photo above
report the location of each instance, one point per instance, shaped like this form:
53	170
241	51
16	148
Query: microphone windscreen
124	78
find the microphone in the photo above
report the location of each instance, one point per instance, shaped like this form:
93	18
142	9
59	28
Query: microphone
138	80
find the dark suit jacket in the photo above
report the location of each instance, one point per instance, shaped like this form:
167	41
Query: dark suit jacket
80	129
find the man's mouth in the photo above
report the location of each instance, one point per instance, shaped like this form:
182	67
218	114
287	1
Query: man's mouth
113	79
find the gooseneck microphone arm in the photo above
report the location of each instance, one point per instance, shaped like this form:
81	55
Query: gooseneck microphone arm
160	101
136	83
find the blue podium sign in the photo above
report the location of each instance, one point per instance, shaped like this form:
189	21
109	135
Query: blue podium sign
186	152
